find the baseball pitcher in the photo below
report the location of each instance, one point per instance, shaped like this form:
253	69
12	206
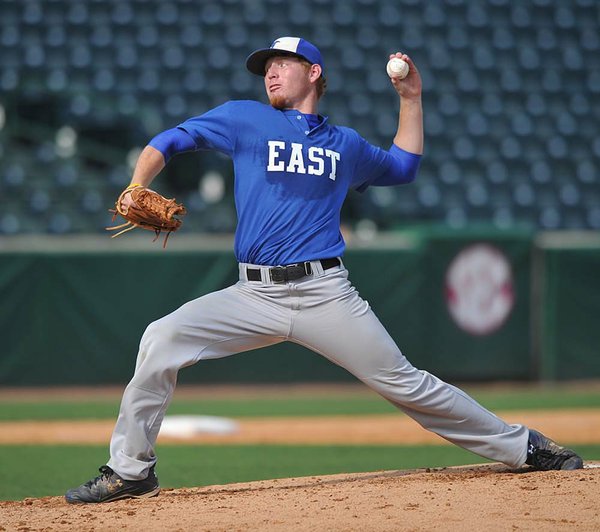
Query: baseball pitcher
293	169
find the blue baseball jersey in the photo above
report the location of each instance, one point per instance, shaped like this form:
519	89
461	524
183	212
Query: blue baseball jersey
291	179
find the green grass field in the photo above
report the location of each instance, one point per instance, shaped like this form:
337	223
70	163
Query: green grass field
320	405
41	470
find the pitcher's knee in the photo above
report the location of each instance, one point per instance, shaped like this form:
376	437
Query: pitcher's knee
163	331
402	386
156	361
158	344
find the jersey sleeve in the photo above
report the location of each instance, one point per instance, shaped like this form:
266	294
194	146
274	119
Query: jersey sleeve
370	164
213	130
173	141
378	167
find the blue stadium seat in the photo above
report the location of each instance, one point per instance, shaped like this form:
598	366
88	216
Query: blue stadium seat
14	174
10	223
550	218
593	217
39	201
588	171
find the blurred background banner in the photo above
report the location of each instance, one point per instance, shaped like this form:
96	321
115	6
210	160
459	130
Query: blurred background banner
477	316
467	306
484	268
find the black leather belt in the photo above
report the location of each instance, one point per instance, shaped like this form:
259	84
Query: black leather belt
291	272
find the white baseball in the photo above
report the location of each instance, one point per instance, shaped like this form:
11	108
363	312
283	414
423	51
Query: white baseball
397	68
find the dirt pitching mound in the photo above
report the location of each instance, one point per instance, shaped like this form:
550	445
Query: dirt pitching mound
489	496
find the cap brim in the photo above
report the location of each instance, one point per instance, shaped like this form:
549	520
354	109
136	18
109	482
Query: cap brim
257	60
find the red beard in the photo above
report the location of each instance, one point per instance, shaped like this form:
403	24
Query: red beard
278	102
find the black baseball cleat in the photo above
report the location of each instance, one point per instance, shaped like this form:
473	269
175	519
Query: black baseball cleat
109	486
547	455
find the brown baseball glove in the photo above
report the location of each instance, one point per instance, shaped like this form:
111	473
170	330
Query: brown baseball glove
149	210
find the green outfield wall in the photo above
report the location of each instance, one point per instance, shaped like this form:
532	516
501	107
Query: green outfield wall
466	306
566	288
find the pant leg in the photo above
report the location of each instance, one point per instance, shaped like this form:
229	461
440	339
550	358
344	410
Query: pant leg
346	331
213	326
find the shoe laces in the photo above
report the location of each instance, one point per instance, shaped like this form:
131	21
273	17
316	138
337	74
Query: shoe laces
548	458
105	473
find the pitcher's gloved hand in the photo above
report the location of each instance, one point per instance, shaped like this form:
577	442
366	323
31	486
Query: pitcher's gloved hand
147	209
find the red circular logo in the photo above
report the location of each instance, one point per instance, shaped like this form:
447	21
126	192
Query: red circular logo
479	289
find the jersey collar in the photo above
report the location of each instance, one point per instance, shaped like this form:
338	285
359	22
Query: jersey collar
293	114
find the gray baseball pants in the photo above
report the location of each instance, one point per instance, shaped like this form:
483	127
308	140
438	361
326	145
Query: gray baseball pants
322	312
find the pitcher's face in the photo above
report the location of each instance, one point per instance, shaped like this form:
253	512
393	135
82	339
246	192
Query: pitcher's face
287	81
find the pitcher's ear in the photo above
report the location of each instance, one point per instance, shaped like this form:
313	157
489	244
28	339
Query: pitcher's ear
315	72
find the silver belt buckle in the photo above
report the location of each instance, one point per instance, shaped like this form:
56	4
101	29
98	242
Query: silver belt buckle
278	274
290	272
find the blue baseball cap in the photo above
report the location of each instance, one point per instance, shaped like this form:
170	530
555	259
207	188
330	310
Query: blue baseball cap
294	46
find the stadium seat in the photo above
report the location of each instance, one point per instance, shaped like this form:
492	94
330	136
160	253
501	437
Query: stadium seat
511	138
